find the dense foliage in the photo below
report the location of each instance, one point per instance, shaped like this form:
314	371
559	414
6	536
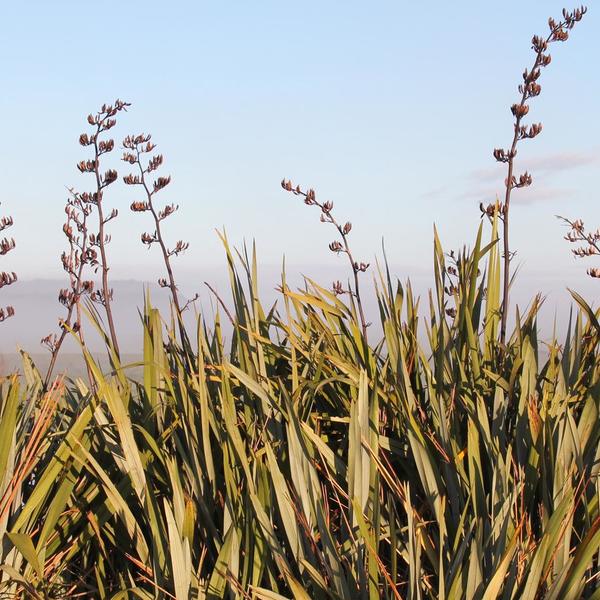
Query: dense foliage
298	461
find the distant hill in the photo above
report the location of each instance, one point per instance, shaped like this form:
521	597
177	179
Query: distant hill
38	310
70	364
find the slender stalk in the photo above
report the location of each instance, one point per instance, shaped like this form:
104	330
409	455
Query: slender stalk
355	271
343	230
161	242
74	264
163	247
102	240
509	183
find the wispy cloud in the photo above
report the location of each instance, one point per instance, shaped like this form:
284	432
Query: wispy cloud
483	185
542	165
434	193
524	196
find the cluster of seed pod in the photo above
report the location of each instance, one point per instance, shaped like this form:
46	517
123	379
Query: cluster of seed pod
589	242
6	313
50	342
100	297
492	209
136	146
452	272
6	278
136	149
530	88
524	180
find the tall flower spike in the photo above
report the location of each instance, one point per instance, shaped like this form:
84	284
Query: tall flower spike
101	122
326	216
136	147
530	88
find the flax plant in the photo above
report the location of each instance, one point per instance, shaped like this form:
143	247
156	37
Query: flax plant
279	466
295	460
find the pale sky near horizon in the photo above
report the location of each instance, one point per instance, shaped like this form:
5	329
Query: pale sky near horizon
391	110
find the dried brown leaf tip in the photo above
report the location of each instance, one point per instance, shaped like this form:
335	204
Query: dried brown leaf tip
339	246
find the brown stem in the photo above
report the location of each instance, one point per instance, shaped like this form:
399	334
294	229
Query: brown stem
76	283
160	239
363	321
55	352
106	292
221	302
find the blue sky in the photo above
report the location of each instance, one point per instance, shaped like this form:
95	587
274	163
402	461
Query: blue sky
389	109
